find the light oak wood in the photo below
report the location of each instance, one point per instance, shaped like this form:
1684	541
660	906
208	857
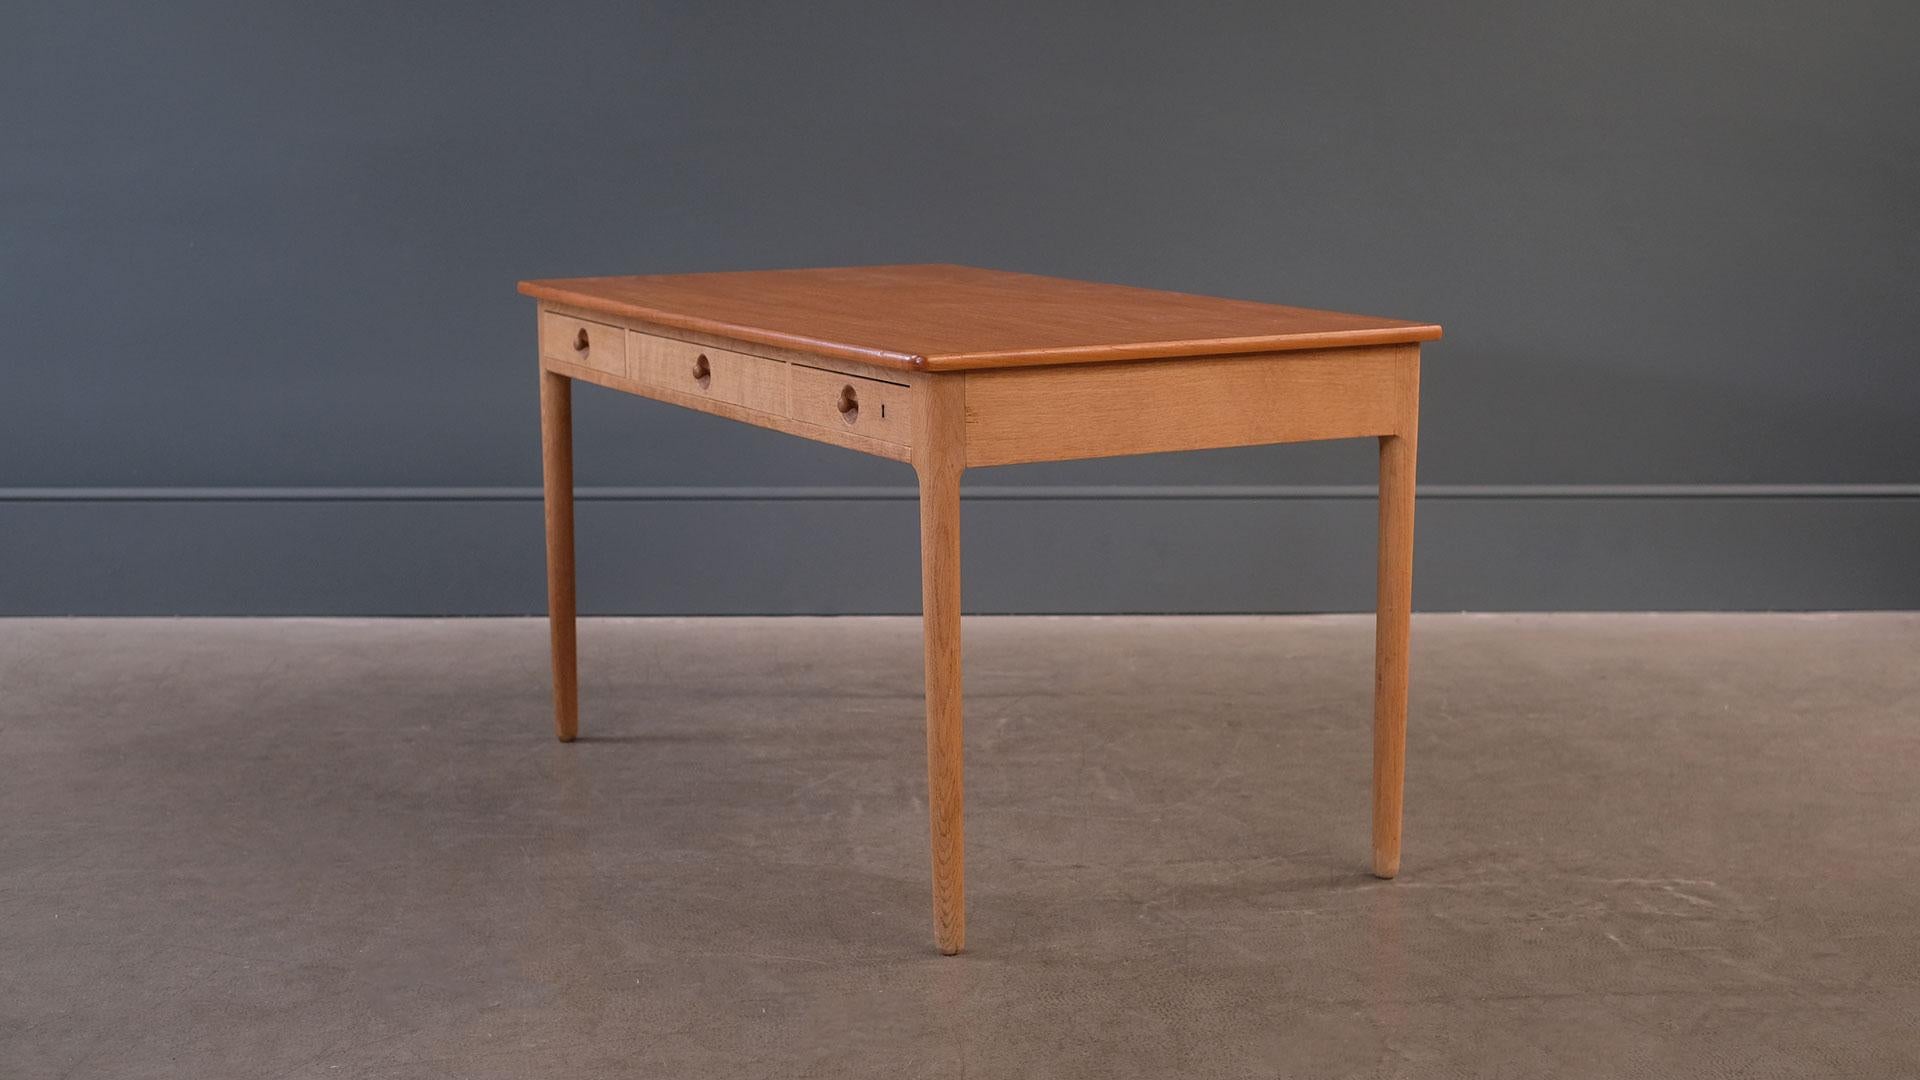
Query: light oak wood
706	371
947	367
1151	406
939	459
556	454
1392	624
583	343
850	440
874	408
953	318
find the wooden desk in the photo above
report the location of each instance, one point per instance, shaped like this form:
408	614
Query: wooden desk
946	367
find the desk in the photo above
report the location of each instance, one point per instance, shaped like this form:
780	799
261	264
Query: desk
947	367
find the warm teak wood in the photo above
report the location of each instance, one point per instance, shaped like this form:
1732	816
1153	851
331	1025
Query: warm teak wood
556	453
947	367
953	318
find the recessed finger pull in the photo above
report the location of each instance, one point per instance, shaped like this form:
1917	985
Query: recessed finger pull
702	371
849	404
580	343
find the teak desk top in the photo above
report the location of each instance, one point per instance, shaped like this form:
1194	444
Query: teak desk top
949	367
936	317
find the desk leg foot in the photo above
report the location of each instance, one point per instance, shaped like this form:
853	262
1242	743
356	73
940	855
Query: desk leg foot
556	446
1390	649
940	611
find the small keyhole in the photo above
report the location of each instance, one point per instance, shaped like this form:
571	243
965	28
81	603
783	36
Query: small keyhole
580	340
849	404
702	371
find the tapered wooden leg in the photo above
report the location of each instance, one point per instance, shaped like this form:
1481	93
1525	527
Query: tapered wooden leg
1395	607
940	612
556	451
939	461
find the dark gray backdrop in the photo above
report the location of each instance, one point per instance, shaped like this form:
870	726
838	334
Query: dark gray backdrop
263	354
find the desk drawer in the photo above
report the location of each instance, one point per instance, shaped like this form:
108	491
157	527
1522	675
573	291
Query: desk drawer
870	407
753	382
589	344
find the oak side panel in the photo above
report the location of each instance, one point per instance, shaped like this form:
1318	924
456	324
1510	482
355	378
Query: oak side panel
1151	406
848	439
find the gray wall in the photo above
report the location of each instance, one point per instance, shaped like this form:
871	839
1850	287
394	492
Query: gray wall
267	253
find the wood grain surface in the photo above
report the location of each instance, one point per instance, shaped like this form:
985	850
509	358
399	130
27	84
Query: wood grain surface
556	455
938	459
948	367
1101	410
938	317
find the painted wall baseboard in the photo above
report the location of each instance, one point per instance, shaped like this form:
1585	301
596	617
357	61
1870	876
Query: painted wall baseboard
477	551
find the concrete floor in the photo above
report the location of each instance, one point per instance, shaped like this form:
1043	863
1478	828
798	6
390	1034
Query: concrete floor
1636	845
